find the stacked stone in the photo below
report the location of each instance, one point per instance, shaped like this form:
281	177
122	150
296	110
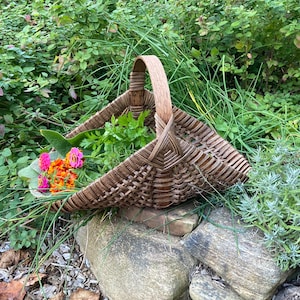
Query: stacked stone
173	255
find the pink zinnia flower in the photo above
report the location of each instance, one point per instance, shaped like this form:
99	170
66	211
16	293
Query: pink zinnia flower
75	158
44	161
43	183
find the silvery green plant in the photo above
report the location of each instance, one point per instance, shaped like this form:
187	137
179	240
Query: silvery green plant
270	200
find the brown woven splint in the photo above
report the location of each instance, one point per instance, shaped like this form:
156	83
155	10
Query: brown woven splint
185	159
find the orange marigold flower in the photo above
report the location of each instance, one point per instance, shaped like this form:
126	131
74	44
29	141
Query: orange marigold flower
56	165
71	180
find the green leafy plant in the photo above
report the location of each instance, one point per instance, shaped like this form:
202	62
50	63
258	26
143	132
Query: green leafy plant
122	136
21	238
273	116
270	200
256	41
247	119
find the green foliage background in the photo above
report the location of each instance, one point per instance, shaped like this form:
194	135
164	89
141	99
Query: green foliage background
233	64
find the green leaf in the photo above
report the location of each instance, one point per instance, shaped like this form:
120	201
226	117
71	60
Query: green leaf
22	160
63	145
141	119
28	69
214	51
4	170
6	152
195	52
27	173
77	139
297	41
8	119
236	24
239	45
83	65
59	142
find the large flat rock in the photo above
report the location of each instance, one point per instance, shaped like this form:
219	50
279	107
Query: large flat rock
132	262
237	254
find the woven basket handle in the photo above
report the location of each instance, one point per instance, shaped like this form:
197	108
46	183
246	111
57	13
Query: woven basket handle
164	118
159	83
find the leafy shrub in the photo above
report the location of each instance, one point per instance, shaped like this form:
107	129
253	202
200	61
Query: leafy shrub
41	83
256	41
50	51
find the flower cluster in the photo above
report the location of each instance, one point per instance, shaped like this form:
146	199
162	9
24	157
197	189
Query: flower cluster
59	174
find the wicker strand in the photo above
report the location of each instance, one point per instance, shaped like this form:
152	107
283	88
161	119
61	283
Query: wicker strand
137	81
166	139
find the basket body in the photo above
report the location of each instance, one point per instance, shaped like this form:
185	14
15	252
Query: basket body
185	159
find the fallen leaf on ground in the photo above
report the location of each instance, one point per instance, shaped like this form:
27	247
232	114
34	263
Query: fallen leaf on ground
12	257
15	289
82	294
32	279
12	290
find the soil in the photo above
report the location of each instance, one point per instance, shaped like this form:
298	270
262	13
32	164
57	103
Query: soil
66	272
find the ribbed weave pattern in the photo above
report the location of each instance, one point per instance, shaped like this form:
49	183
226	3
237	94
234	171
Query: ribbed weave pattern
186	158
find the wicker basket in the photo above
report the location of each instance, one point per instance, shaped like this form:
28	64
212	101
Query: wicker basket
185	159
